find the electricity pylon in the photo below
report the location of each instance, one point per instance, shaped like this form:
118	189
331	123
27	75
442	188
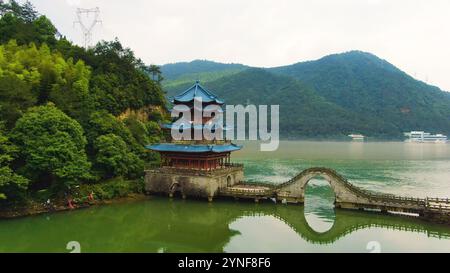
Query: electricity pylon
87	28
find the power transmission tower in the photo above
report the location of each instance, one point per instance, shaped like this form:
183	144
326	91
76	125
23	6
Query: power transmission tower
87	28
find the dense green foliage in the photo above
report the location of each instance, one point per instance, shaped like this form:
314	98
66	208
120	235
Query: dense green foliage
23	24
32	74
353	92
302	112
11	185
71	116
114	158
52	148
110	188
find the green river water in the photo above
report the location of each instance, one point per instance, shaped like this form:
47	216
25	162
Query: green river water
163	225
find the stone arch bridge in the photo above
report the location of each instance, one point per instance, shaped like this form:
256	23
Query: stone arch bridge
347	195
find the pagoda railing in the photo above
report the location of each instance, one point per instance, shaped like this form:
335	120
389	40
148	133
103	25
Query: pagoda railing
224	167
205	142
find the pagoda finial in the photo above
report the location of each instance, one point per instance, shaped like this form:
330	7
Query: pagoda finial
197	81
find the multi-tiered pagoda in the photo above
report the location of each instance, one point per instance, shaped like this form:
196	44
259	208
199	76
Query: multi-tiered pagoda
195	167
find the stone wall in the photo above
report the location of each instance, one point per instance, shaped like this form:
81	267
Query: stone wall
189	183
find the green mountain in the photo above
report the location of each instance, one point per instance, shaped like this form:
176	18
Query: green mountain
352	92
303	113
367	85
183	73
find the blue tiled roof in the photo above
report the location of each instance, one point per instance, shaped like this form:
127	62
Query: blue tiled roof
171	147
197	91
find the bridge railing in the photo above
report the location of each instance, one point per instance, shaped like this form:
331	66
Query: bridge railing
375	195
439	200
262	184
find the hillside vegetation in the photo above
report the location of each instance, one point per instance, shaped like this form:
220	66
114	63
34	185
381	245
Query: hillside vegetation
340	94
69	116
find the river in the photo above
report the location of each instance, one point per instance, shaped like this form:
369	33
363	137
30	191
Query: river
163	225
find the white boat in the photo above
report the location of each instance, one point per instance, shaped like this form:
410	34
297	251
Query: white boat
357	137
421	136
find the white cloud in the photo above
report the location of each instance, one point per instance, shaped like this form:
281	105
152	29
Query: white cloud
411	34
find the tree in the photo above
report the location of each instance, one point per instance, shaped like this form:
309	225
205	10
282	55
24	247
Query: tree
36	75
137	129
71	94
28	13
24	24
118	82
44	30
155	72
12	185
52	91
15	97
114	158
52	148
103	123
3	8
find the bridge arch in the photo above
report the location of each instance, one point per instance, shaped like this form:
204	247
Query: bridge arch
312	175
293	191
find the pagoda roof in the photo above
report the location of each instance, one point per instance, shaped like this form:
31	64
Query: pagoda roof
171	147
197	91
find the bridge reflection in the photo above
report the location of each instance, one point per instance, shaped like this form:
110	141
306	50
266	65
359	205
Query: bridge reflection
346	222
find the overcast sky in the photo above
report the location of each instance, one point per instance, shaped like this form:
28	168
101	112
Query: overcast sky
414	35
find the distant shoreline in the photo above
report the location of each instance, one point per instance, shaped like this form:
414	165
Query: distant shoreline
330	140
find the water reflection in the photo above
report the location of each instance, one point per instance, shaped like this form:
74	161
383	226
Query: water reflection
319	205
160	225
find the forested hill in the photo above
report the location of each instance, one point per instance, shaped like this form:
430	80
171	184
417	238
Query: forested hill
183	73
70	116
303	113
378	99
176	70
370	86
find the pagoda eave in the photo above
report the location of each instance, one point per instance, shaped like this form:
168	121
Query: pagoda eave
179	148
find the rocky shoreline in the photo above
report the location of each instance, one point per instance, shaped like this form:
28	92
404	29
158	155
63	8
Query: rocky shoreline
38	208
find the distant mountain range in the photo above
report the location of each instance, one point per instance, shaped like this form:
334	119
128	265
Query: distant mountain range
352	92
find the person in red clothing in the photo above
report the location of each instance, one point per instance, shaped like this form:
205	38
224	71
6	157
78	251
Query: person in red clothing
70	203
91	196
